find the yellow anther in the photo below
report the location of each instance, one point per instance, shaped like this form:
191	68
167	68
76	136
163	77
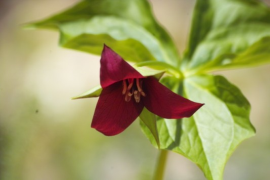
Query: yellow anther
143	94
127	97
130	94
137	96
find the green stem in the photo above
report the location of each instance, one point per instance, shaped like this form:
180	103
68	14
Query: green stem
161	164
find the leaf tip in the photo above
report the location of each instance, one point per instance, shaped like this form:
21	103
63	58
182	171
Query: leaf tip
29	26
77	97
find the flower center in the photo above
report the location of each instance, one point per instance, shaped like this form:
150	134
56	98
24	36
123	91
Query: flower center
133	87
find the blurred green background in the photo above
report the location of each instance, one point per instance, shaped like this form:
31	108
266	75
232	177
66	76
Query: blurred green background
44	135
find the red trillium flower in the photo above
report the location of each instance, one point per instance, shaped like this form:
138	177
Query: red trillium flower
125	92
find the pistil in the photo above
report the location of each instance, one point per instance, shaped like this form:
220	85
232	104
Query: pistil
137	96
131	88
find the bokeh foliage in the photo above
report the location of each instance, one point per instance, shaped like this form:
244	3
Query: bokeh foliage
222	36
257	49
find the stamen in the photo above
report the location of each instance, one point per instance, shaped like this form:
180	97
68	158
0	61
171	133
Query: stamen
139	87
137	96
127	97
129	89
130	83
130	93
124	87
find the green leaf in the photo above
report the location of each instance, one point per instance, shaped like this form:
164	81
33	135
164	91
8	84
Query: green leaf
94	92
257	53
126	26
210	136
161	66
222	31
145	71
148	122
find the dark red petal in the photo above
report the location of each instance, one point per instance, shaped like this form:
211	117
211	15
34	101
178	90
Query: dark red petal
113	114
163	102
113	68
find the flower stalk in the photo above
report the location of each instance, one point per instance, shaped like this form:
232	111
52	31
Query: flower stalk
161	165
